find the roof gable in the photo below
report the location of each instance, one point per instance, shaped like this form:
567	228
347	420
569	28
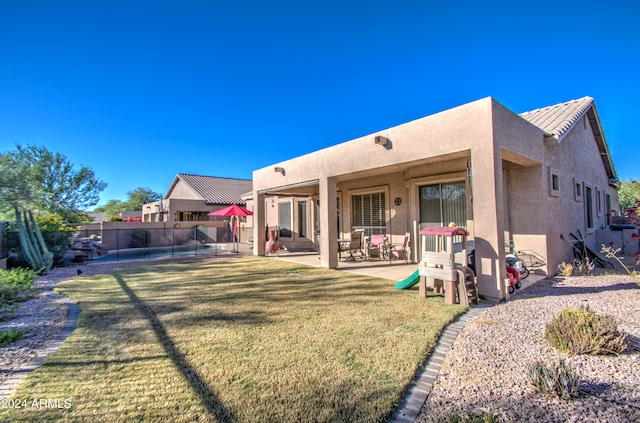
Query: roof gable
213	189
557	120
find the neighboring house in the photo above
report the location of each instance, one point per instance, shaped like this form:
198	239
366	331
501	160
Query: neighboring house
192	197
98	216
131	216
508	178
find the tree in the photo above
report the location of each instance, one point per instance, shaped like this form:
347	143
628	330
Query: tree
628	194
112	208
15	189
40	180
140	196
135	200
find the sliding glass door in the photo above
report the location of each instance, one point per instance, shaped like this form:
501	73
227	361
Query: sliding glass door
443	203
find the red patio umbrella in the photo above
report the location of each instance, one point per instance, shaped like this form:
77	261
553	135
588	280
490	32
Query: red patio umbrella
233	210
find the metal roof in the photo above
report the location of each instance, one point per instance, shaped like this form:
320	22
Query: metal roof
214	189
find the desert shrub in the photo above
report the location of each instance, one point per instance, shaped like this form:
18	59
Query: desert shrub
581	331
565	269
556	380
613	253
15	285
583	267
10	335
19	276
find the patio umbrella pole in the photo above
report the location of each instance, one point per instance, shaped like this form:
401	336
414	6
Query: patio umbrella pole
233	234
233	211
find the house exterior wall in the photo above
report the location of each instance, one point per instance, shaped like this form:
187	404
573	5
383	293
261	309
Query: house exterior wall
182	191
415	150
575	160
520	148
504	160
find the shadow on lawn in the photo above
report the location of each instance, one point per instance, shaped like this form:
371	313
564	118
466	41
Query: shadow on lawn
207	396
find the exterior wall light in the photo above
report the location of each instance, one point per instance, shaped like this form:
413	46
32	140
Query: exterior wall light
279	169
380	140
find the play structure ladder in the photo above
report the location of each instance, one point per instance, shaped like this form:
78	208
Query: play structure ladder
467	288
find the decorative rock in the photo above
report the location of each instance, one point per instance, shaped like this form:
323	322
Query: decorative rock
488	361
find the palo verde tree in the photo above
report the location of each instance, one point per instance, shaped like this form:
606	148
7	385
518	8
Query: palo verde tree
34	179
57	186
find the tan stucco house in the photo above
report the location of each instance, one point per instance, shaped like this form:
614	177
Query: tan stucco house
191	198
507	178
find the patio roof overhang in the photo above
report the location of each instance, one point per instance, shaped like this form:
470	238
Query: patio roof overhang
302	188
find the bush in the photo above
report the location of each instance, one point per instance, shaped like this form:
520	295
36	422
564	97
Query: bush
565	269
18	277
583	267
15	285
557	380
581	331
10	335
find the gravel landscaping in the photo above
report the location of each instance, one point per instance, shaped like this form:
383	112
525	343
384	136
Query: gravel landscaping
486	369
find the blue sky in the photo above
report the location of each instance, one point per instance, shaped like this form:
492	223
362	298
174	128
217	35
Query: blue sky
142	90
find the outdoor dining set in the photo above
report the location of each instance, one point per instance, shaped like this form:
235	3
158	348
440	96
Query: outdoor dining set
358	247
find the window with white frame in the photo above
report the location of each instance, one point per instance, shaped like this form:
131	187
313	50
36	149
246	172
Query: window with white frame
368	213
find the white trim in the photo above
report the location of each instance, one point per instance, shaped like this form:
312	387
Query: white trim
347	217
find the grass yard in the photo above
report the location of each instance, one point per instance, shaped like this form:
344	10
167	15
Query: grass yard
248	340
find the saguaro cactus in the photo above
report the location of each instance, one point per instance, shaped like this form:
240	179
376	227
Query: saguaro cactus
32	244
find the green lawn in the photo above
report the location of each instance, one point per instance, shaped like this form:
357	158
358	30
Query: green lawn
250	339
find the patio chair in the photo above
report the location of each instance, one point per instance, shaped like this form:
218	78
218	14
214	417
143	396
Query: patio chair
355	246
400	249
376	246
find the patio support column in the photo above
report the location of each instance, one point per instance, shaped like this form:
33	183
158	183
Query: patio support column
328	223
259	222
488	221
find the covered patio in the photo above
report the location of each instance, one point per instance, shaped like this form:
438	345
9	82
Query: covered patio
510	183
394	272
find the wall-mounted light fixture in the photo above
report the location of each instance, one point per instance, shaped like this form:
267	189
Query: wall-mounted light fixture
380	140
279	169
